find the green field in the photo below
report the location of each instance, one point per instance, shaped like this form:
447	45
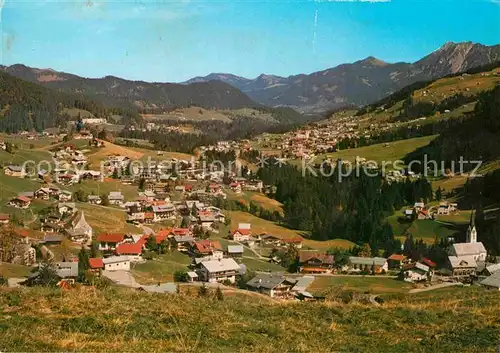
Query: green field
371	284
162	268
130	192
390	152
123	320
107	219
260	226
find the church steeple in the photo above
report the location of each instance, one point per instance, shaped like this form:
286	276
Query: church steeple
471	231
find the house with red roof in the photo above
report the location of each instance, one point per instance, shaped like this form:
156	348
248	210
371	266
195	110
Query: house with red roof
315	262
235	187
149	217
396	261
295	241
241	235
181	231
132	250
20	202
4	218
429	263
206	247
96	265
108	242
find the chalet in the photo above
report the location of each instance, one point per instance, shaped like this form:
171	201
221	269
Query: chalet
205	247
116	198
366	264
49	227
54	191
446	209
79	230
163	212
462	266
92	175
65	196
14	171
254	186
275	286
235	187
267	239
65	208
20	202
4	218
206	219
149	217
94	199
28	194
235	251
116	263
117	162
52	239
241	235
132	250
396	261
182	242
219	270
43	193
96	265
67	179
295	241
214	188
108	242
314	262
416	272
181	231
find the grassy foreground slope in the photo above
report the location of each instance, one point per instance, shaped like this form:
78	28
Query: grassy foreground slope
464	320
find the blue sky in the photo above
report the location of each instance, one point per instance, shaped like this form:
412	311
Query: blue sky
175	40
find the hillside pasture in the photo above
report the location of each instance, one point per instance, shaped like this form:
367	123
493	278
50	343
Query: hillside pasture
120	319
390	152
260	226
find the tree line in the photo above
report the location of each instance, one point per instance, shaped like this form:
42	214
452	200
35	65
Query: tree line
353	208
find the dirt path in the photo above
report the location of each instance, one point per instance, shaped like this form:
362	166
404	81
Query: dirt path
436	286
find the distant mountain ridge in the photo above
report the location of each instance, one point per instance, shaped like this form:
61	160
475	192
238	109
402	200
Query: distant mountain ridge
359	83
362	82
213	94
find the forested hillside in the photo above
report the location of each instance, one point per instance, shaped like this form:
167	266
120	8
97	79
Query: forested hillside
350	207
28	106
474	138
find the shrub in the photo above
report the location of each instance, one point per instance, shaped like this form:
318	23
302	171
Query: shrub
180	276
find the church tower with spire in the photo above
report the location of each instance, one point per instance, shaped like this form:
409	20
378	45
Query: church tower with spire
471	231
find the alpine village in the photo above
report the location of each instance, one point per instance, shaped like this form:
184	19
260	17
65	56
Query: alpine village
213	221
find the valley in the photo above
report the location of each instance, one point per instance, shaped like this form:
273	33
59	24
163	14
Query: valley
120	196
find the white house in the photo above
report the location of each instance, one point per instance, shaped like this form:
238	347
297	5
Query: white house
115	198
219	270
415	272
116	263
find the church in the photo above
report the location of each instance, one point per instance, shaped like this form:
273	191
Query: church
79	230
471	247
